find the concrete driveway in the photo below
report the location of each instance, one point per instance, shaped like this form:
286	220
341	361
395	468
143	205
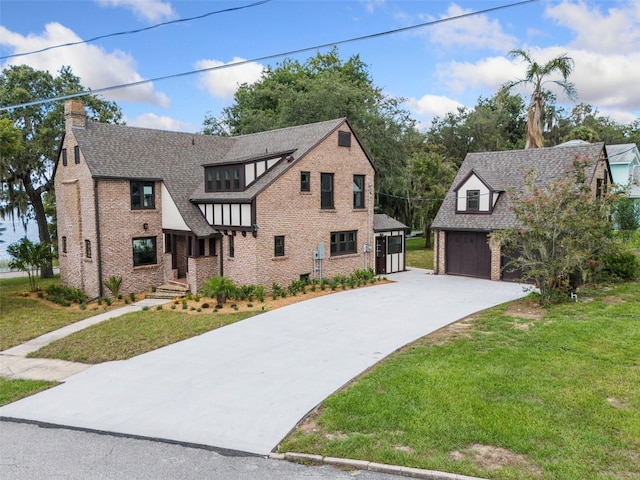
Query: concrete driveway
245	386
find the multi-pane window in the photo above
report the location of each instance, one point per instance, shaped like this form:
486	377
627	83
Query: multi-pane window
394	244
142	195
473	199
224	178
358	191
344	242
87	248
144	251
326	190
278	246
305	181
212	247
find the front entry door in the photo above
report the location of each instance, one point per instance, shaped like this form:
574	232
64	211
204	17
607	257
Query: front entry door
381	255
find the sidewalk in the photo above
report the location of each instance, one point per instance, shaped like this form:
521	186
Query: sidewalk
14	364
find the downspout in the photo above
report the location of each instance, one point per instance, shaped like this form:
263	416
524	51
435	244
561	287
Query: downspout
98	237
221	256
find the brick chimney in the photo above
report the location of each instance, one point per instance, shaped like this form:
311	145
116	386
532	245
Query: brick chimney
74	114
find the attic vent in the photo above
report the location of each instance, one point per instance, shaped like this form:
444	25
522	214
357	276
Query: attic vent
344	139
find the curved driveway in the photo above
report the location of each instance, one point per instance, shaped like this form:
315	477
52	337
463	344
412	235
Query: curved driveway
245	386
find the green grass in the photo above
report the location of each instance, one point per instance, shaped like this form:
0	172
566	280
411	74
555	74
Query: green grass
13	390
417	255
552	398
23	319
133	334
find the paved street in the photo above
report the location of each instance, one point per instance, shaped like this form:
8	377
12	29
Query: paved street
245	386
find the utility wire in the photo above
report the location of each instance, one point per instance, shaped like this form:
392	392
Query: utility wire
130	32
266	57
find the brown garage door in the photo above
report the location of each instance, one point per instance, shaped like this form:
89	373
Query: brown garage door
468	253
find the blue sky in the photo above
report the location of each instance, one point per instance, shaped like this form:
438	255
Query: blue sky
436	68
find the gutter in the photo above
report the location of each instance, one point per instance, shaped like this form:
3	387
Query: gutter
98	237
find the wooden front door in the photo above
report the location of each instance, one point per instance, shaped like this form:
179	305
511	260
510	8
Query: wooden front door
381	255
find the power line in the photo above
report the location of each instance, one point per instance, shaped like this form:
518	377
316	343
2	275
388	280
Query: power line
130	32
266	57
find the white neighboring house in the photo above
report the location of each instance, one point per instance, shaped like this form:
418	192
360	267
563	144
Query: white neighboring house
624	161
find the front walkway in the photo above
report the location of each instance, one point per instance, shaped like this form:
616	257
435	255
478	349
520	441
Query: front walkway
245	386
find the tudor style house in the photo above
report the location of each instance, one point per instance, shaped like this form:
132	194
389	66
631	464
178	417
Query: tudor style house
156	206
478	203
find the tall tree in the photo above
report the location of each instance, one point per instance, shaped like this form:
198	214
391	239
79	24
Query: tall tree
538	75
323	88
26	175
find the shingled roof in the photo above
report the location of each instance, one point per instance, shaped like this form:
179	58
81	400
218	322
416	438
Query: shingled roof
505	172
384	223
177	159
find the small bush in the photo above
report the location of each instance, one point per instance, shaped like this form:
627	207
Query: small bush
197	298
66	294
622	265
199	310
153	288
126	301
184	303
259	293
173	306
159	307
145	308
205	305
113	284
249	305
107	301
83	306
132	297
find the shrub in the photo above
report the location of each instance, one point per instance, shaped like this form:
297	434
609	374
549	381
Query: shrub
159	307
277	291
205	305
623	265
145	308
173	306
184	303
132	297
65	295
107	301
259	293
220	288
83	306
153	288
113	284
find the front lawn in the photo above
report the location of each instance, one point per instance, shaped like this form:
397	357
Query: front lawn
24	317
15	389
515	392
135	333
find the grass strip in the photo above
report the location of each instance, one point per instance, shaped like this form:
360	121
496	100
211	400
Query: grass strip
508	397
417	255
12	390
133	334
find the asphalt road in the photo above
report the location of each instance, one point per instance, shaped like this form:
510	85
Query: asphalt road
30	452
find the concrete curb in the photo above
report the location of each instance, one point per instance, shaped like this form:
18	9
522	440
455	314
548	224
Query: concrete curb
370	466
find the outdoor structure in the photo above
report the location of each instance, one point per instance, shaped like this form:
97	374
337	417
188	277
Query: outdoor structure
625	167
156	206
390	235
479	199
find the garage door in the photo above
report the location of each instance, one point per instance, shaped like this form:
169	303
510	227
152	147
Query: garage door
468	253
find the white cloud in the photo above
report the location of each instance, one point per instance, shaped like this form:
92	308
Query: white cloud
606	81
149	10
433	105
95	67
617	31
223	82
151	120
475	32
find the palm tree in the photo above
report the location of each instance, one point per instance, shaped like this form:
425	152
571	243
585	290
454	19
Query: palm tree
536	75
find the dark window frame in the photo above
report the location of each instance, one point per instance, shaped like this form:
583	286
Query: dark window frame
394	244
358	197
200	247
327	191
225	178
87	248
138	198
232	246
344	243
305	181
150	257
212	247
64	244
64	157
473	196
278	246
344	139
76	154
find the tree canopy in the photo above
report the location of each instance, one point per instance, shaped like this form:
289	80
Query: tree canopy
26	171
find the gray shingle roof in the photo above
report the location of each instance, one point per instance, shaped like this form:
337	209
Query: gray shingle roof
383	222
623	153
117	151
505	171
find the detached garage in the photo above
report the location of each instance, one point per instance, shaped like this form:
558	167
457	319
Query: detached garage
479	201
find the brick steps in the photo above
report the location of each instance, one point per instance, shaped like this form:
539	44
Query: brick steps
170	290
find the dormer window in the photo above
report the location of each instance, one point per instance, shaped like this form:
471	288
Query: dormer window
226	178
473	200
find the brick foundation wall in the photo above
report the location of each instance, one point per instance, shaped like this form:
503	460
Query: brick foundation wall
439	252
